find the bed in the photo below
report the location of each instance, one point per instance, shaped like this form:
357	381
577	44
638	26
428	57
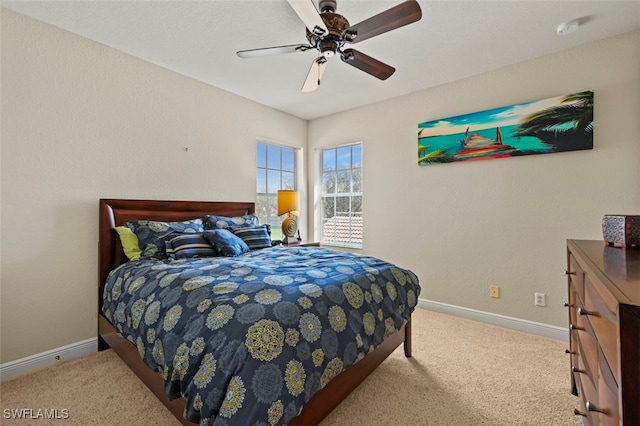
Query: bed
278	341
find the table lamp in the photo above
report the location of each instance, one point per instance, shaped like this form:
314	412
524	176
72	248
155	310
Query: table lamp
289	203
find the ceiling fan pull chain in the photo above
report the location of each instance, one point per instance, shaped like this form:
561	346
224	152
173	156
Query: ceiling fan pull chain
321	60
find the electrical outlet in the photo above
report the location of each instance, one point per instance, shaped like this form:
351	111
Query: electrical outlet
494	291
540	299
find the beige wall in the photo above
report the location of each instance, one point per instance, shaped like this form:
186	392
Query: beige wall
463	226
81	121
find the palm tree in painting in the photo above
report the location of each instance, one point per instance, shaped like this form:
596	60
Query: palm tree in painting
566	127
437	156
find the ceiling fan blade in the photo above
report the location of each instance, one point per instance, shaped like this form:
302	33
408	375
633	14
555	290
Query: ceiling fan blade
398	16
276	50
315	74
367	64
309	15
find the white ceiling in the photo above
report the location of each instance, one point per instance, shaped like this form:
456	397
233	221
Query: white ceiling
453	40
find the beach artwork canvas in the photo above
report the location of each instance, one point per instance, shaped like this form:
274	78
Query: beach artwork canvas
562	123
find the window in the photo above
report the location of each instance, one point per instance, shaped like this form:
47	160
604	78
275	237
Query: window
342	195
276	170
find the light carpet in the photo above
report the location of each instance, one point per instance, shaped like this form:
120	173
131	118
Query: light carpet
462	372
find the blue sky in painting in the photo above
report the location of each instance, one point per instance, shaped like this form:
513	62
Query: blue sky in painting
496	117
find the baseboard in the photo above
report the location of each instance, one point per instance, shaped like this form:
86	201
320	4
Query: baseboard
43	359
532	327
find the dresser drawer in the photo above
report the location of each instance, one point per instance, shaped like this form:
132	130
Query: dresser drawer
588	417
587	393
576	275
587	360
601	315
607	394
573	303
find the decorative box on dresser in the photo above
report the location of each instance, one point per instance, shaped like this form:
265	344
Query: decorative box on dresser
604	331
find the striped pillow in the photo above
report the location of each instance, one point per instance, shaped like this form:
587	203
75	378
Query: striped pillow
256	237
183	246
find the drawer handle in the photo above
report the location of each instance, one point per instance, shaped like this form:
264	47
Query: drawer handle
578	370
577	412
575	327
592	407
569	272
569	305
567	351
583	311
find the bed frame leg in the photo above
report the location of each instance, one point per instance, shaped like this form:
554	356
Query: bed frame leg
407	339
102	344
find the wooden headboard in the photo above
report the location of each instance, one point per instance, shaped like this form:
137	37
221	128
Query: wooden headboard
116	212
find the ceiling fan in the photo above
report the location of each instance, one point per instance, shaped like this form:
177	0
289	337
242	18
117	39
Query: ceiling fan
327	32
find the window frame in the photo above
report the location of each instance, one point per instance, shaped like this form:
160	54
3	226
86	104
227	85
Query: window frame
353	241
267	213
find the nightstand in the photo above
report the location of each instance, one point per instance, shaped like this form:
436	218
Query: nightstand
303	243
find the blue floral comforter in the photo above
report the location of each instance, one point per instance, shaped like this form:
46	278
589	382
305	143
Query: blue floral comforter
248	340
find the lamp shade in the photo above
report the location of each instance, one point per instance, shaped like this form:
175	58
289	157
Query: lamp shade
288	202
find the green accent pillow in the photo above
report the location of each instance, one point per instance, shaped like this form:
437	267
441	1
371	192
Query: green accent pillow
129	242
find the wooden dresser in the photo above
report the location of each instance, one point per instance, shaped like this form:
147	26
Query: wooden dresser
604	330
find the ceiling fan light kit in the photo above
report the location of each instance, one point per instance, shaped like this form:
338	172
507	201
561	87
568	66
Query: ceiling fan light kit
327	32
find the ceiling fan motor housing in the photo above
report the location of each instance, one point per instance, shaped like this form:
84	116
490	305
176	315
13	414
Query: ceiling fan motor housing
332	42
